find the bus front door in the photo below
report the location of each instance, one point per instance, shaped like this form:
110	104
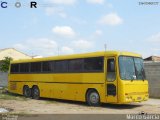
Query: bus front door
111	80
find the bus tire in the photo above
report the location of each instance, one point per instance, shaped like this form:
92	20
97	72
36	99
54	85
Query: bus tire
35	92
92	98
26	91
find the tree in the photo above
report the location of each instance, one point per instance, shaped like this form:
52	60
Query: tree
4	67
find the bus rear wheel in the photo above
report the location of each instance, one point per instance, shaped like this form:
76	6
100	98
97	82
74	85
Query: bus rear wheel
35	92
26	91
93	98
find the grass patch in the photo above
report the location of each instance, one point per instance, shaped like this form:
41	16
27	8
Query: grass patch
11	97
4	95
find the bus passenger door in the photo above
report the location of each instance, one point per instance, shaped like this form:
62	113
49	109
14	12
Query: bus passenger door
111	80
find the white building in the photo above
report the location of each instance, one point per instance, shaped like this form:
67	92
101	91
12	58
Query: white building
15	55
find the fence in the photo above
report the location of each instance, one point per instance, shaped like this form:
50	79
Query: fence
153	75
3	79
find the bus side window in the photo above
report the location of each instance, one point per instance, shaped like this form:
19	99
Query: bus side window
111	76
14	68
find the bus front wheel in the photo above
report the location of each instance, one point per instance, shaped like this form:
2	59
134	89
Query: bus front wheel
93	98
26	91
35	92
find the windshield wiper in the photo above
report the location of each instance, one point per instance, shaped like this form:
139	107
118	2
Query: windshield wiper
143	73
136	73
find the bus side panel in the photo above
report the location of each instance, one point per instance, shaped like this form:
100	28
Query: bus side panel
16	87
60	78
57	90
75	92
61	86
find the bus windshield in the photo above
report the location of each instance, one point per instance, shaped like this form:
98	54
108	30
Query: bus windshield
131	68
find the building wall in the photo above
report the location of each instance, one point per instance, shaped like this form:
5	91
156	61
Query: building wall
3	79
13	53
153	75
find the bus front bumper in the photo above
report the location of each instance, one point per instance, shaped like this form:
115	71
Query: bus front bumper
135	98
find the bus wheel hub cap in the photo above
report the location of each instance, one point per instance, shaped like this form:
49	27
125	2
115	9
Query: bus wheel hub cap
94	98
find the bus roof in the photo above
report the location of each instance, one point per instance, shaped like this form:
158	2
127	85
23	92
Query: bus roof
75	56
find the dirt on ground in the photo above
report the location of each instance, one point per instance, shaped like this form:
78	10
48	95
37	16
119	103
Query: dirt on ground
20	105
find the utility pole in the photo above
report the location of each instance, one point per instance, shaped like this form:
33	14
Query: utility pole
58	51
105	47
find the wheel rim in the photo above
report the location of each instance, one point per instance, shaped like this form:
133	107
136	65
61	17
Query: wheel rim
27	92
36	92
94	98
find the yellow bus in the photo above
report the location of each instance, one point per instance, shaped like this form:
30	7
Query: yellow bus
100	77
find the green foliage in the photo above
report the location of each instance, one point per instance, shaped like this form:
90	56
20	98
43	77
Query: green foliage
4	67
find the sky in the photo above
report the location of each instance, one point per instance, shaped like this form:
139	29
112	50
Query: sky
58	27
